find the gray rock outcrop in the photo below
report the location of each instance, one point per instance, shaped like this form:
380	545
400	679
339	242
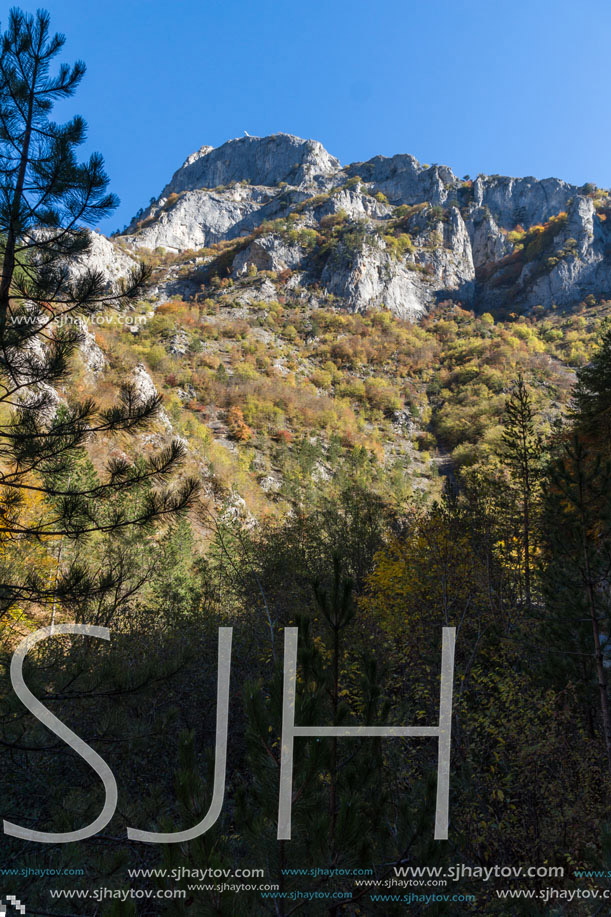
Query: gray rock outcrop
268	253
426	234
106	257
255	160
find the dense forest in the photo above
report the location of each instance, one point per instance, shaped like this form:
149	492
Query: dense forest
491	514
516	561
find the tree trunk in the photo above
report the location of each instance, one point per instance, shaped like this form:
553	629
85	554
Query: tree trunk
8	264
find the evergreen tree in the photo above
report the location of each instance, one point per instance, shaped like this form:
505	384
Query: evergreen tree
47	200
522	454
353	804
578	522
578	527
592	397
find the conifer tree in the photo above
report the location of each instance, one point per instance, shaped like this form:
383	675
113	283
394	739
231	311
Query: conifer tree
592	397
341	787
48	199
522	454
578	527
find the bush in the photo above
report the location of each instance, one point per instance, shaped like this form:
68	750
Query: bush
322	379
353	182
333	219
155	357
399	245
382	396
353	389
245	372
465	454
237	426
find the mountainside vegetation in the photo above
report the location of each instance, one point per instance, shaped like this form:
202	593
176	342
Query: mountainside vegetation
275	394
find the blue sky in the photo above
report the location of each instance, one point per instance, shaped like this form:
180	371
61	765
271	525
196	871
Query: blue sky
519	88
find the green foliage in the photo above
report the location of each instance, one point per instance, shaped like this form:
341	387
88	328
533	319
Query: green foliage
522	455
399	245
48	198
592	405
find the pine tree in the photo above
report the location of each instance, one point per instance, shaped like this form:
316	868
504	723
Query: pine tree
47	200
578	526
522	454
350	801
592	397
587	472
578	523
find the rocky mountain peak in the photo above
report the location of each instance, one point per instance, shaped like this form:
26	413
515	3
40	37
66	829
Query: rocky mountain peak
390	232
256	160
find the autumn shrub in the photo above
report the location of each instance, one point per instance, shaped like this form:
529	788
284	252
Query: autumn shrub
382	395
245	371
322	379
333	219
352	388
399	245
162	324
237	426
346	352
262	413
155	357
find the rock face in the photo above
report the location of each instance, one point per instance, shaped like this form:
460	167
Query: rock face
268	253
92	355
387	232
370	278
488	242
523	201
199	218
257	161
587	267
105	257
404	180
144	386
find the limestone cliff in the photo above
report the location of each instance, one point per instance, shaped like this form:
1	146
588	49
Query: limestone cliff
388	232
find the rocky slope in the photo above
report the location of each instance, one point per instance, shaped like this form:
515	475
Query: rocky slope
263	328
388	232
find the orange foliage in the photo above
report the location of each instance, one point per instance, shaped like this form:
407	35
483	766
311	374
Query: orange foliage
238	427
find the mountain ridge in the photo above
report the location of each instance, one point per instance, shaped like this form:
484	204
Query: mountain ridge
424	235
